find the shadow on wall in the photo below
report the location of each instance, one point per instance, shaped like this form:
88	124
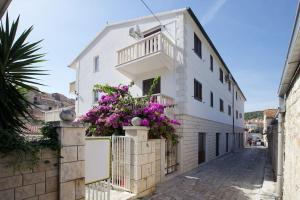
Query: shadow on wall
236	176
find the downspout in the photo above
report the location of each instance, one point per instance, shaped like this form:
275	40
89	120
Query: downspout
233	113
280	147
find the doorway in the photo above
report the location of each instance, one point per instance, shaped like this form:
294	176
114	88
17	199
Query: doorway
201	148
217	144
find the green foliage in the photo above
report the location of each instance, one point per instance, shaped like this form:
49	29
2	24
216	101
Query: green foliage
254	115
18	72
23	153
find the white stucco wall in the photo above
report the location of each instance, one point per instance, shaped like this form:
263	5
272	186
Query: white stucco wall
200	69
106	48
177	83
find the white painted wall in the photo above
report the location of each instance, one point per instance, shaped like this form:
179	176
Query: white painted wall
177	83
200	69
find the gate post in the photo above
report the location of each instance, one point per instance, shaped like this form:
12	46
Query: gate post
71	162
142	161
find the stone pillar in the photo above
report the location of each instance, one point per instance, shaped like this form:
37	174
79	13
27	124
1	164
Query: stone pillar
71	162
142	161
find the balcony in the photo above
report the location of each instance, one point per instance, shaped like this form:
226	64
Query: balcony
149	54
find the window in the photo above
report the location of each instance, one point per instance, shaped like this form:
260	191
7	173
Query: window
96	96
147	85
197	46
211	99
236	95
96	64
211	63
229	110
217	144
197	90
236	114
221	105
221	78
229	86
240	115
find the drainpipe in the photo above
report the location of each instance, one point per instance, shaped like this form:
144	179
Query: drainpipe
280	148
232	113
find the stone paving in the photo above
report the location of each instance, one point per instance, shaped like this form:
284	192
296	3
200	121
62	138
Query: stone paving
236	176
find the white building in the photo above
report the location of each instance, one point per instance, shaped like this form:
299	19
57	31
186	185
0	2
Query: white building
209	102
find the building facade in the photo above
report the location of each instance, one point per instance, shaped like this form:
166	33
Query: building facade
288	135
174	47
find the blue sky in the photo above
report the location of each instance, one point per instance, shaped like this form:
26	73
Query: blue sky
252	36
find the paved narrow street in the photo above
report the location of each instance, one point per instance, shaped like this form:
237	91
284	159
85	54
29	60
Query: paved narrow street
236	176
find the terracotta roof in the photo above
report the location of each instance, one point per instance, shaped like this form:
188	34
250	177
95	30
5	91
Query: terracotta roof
270	113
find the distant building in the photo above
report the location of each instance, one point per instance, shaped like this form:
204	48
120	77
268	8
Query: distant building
45	102
269	116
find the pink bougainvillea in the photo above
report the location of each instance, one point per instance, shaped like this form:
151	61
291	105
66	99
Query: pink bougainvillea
116	107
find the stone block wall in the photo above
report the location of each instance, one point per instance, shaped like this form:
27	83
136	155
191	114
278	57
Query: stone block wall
41	182
72	163
291	166
142	161
58	174
189	129
159	160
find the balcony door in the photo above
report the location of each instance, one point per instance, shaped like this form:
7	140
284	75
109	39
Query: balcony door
201	148
147	85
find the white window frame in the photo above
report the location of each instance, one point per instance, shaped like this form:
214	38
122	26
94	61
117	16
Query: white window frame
96	69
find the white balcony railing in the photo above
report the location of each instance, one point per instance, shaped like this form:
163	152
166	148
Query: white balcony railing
53	115
147	46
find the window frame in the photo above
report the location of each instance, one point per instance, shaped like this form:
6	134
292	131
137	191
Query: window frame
229	110
211	99
96	67
200	91
211	63
221	75
197	46
154	92
221	102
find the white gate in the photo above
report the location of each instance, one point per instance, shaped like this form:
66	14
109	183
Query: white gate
121	150
97	168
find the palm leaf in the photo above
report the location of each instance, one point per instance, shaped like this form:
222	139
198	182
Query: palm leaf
18	69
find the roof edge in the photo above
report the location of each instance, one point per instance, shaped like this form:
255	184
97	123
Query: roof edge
281	91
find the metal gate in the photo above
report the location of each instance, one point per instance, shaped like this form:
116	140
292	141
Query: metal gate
171	157
121	150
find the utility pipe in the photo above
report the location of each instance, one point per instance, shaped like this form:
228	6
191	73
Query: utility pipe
280	147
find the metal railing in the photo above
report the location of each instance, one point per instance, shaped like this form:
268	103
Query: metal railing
121	150
155	43
99	190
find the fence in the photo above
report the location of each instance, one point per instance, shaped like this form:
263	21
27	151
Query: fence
99	190
121	150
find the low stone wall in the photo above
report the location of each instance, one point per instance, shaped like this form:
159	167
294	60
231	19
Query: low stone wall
58	175
41	182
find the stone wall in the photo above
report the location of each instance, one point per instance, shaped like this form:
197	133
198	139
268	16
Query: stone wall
291	166
189	129
72	163
41	182
58	175
272	136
